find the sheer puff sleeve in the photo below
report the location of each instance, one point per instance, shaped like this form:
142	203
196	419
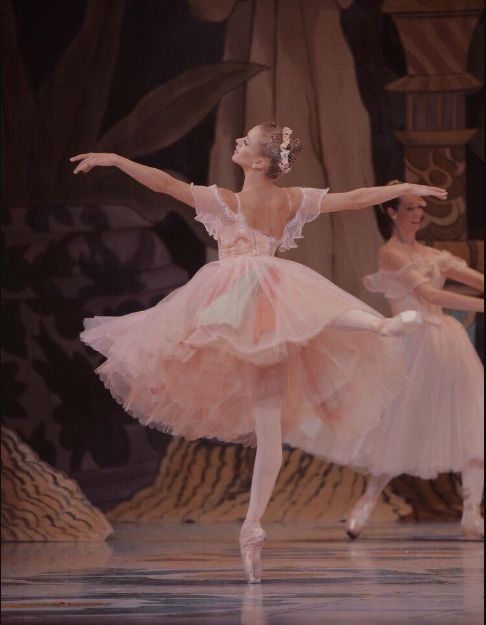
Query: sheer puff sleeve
449	262
396	284
308	210
210	208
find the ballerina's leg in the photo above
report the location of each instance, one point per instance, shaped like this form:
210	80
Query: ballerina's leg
267	465
363	509
472	496
268	460
358	320
403	323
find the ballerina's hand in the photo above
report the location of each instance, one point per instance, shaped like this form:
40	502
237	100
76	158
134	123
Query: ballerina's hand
422	189
86	162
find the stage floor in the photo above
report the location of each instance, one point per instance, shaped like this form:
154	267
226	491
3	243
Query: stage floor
188	574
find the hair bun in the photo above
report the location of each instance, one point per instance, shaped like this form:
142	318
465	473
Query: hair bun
281	146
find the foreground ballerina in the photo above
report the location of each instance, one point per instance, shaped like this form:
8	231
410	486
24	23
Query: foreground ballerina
253	348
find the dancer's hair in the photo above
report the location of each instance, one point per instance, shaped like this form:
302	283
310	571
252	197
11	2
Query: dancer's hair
394	204
280	146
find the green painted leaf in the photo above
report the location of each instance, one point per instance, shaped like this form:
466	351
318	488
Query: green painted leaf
17	108
212	10
72	100
168	112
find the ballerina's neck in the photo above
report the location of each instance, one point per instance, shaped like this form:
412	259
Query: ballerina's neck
405	238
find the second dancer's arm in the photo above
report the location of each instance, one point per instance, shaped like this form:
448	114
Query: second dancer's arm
467	275
426	291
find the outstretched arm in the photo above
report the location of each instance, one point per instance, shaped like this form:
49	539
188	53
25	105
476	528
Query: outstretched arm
155	179
466	275
370	196
424	289
448	299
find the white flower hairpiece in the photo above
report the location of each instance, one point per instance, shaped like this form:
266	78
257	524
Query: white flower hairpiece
284	149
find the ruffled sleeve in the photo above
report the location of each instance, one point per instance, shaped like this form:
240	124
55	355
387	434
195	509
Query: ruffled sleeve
449	262
210	208
396	284
308	210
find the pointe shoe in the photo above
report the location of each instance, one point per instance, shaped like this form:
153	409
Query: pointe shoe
472	525
405	322
359	518
252	537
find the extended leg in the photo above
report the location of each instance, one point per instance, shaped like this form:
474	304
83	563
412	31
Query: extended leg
403	323
365	506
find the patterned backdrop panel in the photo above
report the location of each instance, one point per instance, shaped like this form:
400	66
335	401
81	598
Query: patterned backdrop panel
62	264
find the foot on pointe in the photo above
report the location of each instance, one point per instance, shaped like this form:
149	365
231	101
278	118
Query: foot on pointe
252	537
473	526
359	518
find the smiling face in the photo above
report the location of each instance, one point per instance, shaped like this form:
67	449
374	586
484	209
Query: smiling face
248	151
407	217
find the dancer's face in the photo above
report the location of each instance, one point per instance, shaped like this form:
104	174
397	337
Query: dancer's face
248	151
408	218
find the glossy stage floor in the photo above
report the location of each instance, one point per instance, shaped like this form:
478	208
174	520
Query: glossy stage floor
181	574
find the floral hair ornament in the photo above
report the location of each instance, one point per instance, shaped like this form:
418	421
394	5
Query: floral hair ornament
285	150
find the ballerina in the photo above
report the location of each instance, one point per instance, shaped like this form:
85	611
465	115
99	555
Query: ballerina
436	424
254	347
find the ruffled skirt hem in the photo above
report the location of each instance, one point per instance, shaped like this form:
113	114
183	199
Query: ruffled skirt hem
241	332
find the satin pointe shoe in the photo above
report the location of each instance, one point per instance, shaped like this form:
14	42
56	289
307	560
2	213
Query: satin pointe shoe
472	525
359	517
406	322
252	537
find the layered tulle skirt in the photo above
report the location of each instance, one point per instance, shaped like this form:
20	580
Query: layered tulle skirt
435	425
247	330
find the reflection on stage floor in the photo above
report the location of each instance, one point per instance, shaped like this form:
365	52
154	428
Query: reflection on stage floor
190	574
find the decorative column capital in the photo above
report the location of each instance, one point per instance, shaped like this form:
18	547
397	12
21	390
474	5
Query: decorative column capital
422	8
436	138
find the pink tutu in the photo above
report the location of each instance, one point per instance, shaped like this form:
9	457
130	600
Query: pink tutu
246	328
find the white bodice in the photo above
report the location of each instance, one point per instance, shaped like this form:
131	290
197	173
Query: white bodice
399	286
236	237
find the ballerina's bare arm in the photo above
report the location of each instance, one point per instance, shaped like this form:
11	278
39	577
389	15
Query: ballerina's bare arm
448	299
155	179
395	261
370	196
467	275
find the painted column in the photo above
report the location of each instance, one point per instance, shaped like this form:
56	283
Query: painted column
436	36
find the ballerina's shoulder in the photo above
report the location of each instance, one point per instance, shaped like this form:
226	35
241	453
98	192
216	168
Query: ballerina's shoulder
393	257
282	202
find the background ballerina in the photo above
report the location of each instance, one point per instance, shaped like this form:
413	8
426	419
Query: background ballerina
254	348
437	424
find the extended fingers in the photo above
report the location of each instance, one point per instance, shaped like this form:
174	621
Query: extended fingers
440	193
78	157
85	165
437	192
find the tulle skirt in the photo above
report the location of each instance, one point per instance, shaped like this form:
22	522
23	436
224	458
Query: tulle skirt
435	425
245	330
